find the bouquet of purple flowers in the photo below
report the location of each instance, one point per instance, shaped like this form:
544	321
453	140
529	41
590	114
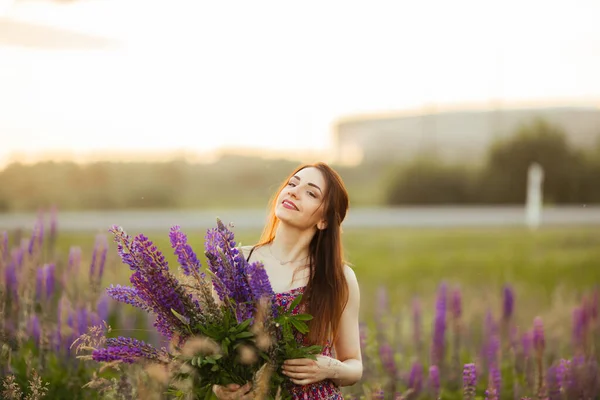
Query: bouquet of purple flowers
220	322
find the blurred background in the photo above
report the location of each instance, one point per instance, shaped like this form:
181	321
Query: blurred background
467	133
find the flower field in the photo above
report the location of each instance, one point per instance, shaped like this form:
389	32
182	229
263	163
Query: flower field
450	314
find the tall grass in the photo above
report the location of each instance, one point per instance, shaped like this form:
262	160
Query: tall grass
432	301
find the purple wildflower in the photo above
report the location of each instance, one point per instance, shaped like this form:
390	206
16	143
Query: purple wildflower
34	329
82	320
102	307
386	353
53	222
127	350
258	280
10	278
553	384
469	381
416	314
98	258
39	285
439	330
578	328
128	295
434	380
155	286
539	341
563	374
495	380
491	327
185	255
74	261
527	343
49	270
230	269
509	302
456	303
493	347
415	379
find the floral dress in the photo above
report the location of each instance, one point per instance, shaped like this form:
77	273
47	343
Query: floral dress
319	390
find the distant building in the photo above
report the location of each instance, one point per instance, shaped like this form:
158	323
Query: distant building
452	135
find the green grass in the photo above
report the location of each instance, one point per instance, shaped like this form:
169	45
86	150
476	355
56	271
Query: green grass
412	262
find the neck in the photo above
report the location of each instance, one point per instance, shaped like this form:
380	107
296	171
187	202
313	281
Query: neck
291	244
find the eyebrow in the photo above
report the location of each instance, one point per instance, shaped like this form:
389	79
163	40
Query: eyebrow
309	183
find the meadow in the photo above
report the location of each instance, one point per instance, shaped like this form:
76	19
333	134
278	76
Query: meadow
433	302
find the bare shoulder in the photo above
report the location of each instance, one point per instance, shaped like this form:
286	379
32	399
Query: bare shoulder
351	278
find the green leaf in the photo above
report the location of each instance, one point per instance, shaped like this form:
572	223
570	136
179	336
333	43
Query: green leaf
244	335
300	326
295	302
180	317
303	317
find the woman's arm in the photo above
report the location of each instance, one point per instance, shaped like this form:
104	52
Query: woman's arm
347	369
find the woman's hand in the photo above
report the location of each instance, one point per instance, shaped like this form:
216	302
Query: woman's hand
233	391
303	371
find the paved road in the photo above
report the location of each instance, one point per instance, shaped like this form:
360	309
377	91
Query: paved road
360	217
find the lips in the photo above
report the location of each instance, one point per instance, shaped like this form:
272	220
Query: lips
289	204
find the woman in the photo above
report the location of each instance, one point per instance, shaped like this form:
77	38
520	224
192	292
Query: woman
301	249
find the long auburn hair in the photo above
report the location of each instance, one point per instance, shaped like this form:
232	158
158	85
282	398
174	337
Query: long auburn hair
326	292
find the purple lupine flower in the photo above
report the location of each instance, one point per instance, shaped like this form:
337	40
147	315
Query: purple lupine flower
469	381
49	272
509	302
527	343
185	255
34	329
128	295
434	380
98	258
563	374
578	328
258	280
491	327
439	330
386	353
82	321
415	379
495	377
416	316
127	350
102	262
102	306
10	278
456	304
74	261
36	233
492	349
539	341
155	285
553	384
39	285
230	268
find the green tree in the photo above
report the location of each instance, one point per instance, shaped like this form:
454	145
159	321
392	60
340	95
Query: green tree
504	179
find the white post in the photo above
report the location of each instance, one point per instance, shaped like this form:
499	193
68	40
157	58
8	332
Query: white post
533	210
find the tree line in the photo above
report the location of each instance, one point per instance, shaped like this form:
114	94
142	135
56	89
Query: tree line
571	176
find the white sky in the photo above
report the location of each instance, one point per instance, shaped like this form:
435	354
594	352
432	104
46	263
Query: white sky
198	75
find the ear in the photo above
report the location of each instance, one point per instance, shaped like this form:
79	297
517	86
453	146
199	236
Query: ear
322	225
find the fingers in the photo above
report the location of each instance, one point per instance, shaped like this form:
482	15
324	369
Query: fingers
299	361
233	391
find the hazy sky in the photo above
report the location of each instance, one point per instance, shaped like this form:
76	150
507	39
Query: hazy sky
197	75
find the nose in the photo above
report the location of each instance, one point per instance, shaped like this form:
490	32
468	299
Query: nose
292	191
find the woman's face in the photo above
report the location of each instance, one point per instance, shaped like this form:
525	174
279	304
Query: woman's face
300	203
